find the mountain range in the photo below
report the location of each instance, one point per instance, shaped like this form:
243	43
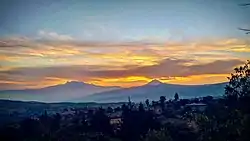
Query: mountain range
75	91
57	93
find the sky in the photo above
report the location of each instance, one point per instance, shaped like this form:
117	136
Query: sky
120	43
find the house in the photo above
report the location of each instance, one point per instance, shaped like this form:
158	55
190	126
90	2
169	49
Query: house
197	106
115	118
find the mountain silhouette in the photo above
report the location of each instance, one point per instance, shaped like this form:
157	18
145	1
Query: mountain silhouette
75	91
57	93
154	89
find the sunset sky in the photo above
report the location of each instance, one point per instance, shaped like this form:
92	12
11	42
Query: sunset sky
120	43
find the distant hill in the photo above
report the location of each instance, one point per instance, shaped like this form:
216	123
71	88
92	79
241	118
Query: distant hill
57	93
154	89
75	91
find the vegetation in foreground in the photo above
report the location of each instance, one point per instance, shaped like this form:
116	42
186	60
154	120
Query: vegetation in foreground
206	119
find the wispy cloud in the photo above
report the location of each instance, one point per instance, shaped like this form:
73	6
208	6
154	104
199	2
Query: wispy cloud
54	36
30	60
165	69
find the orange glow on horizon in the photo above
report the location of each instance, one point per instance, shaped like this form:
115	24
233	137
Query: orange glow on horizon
102	63
133	81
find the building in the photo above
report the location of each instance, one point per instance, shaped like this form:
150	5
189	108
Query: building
197	106
115	118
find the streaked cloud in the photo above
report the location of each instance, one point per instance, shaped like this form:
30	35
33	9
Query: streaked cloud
54	36
27	61
165	70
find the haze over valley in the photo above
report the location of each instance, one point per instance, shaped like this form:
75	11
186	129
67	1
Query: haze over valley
76	91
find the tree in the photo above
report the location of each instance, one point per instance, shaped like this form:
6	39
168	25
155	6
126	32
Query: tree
246	30
136	123
176	97
229	119
147	103
125	109
117	109
239	82
244	4
154	103
100	122
237	91
110	110
56	122
30	129
162	101
141	107
237	94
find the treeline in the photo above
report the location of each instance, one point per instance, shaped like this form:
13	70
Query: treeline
136	122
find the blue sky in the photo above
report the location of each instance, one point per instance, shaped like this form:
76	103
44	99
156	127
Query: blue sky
125	20
120	42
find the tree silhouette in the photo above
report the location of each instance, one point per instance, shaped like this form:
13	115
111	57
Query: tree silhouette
110	110
228	119
237	94
154	103
246	30
141	107
176	97
239	82
238	90
56	122
117	109
125	109
147	103
31	129
100	122
162	102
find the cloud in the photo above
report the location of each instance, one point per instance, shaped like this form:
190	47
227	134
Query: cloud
54	36
14	42
168	69
173	68
25	59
